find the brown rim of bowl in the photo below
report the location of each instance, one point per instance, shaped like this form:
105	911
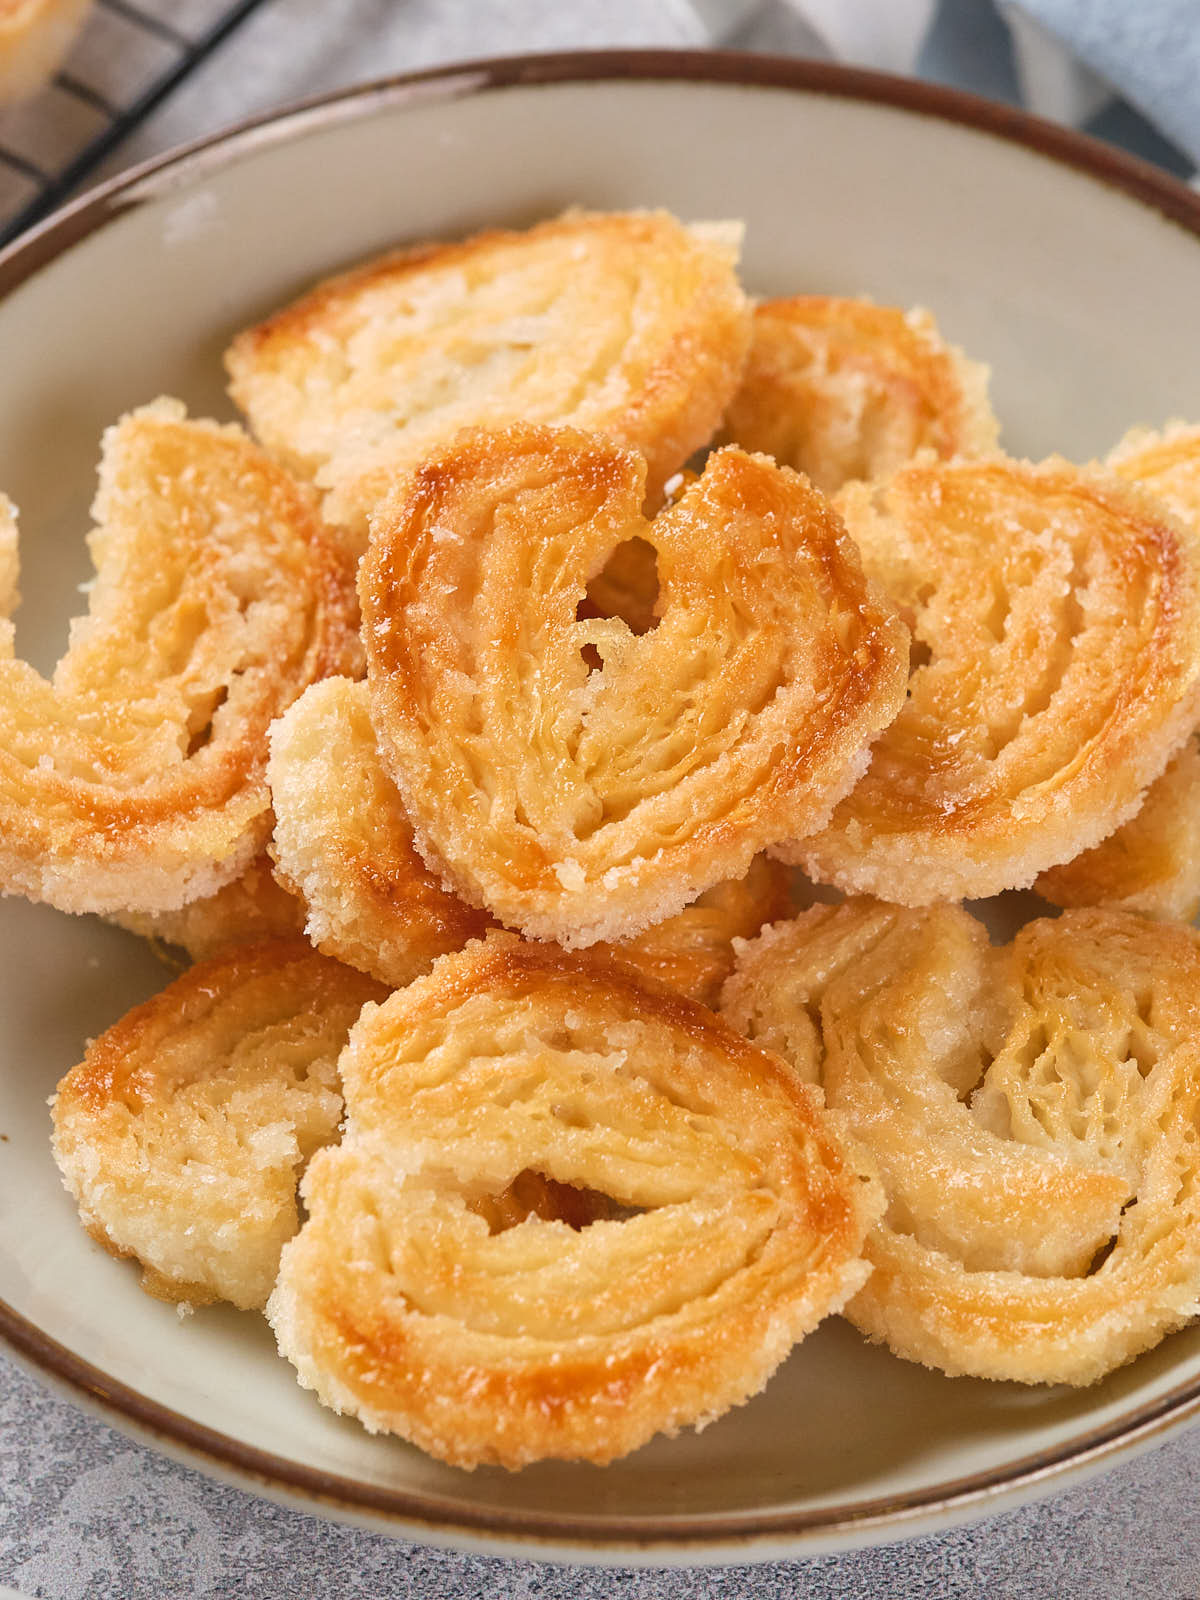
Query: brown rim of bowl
708	1536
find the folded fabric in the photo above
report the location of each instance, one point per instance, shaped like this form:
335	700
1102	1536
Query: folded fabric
1149	52
1063	59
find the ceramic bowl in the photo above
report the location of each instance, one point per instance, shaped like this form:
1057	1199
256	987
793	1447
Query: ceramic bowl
1075	272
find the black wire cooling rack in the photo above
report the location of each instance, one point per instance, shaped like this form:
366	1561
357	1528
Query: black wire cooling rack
128	58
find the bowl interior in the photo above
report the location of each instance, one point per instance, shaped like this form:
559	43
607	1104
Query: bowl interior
1079	296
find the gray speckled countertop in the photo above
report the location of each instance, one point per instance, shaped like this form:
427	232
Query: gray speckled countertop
87	1515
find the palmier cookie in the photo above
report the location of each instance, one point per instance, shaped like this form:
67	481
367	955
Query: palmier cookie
183	1131
629	324
135	779
844	389
577	779
1056	622
735	1215
1032	1111
343	840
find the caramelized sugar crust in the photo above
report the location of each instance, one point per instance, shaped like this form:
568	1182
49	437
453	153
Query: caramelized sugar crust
1056	622
627	324
842	389
183	1132
135	779
735	1216
342	838
1033	1114
579	780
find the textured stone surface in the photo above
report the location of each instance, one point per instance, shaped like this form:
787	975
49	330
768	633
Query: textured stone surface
87	1515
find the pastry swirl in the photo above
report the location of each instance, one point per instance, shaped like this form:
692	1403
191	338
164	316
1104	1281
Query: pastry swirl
1032	1112
580	802
626	324
1056	620
735	1222
135	779
183	1131
843	389
343	840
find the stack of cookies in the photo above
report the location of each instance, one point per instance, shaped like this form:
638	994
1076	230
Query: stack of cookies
563	738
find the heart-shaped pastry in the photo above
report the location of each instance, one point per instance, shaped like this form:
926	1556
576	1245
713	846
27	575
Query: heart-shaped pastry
719	1217
1032	1111
577	779
136	778
1056	639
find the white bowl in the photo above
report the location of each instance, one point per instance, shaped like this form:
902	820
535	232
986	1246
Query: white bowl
1074	271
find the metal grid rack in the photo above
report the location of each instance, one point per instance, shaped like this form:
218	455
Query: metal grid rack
128	58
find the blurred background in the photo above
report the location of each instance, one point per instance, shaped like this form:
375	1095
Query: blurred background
118	81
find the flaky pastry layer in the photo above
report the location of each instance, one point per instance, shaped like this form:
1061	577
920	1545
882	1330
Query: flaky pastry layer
628	324
1032	1113
843	389
736	1215
135	779
692	952
577	779
183	1132
1056	624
